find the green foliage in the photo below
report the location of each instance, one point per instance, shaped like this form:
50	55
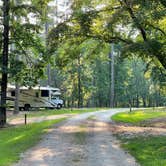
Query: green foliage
134	80
136	24
78	49
77	62
85	20
27	57
80	46
101	79
15	140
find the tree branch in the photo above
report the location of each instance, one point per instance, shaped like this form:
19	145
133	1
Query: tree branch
135	20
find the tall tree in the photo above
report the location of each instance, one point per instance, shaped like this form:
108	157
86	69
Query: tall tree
138	24
112	77
6	6
23	34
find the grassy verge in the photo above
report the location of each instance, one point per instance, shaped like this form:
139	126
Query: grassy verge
62	111
148	151
15	140
138	116
54	112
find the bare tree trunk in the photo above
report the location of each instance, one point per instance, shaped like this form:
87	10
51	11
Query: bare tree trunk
48	66
49	74
46	33
130	105
4	62
17	88
16	105
79	84
112	77
137	101
144	101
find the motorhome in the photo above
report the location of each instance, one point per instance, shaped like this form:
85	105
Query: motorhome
36	97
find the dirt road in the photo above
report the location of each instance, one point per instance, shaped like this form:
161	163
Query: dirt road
80	141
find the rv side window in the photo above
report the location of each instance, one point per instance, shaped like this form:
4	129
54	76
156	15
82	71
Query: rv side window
44	93
12	93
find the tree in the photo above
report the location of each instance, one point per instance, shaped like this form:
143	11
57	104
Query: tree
136	24
23	35
4	62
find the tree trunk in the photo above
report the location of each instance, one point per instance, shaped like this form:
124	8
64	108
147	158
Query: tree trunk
130	105
49	65
133	101
112	77
137	101
144	102
16	105
17	88
149	102
4	62
79	84
49	74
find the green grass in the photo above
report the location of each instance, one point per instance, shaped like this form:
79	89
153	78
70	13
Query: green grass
15	140
148	151
61	111
138	116
54	112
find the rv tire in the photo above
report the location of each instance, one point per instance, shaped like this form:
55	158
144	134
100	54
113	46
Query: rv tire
27	107
59	106
21	108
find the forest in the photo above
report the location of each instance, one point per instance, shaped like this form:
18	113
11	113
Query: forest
107	53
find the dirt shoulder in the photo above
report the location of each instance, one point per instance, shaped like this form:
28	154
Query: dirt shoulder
155	127
20	120
157	123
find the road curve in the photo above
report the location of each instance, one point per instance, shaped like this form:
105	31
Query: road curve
79	142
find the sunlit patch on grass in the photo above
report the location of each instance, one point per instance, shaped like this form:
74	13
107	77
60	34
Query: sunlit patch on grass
138	116
15	139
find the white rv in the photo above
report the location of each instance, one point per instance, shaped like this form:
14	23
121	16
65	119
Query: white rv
37	97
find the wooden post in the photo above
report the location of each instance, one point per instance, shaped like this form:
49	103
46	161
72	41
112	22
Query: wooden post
4	65
112	76
25	119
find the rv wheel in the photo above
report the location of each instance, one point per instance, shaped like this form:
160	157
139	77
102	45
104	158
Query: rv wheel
21	108
59	106
27	107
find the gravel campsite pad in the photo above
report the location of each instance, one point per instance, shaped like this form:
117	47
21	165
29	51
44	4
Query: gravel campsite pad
79	142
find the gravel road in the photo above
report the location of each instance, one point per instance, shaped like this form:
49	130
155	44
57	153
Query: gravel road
79	141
